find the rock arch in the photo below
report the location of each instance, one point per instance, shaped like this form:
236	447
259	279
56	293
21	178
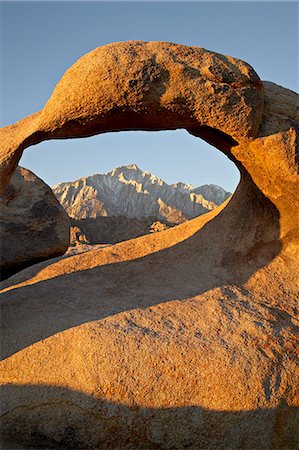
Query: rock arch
150	86
215	297
160	85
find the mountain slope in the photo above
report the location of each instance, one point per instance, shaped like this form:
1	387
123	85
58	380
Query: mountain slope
128	191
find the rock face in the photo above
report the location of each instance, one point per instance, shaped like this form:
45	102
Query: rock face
128	191
33	225
186	338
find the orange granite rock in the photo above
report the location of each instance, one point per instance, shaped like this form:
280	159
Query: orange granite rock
186	338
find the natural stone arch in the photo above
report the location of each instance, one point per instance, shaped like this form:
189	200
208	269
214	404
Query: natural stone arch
150	86
139	85
215	297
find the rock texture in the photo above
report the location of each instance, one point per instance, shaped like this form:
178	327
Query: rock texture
187	338
128	191
33	225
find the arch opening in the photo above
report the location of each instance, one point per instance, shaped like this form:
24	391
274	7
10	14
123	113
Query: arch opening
194	180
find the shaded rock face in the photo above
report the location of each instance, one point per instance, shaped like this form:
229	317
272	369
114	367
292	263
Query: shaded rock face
186	338
33	225
110	230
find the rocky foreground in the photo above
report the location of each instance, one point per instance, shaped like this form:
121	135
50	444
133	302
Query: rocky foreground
187	338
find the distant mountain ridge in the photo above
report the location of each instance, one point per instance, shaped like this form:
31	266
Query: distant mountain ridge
128	191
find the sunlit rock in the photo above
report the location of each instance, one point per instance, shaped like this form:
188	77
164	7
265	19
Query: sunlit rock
186	338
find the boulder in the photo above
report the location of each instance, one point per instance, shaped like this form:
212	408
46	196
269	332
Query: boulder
33	225
186	338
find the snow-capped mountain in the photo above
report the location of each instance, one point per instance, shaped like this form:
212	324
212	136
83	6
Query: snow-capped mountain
130	192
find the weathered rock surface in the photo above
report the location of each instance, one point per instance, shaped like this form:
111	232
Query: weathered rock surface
128	191
187	338
33	225
281	109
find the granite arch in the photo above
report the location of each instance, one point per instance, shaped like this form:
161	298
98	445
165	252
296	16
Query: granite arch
219	288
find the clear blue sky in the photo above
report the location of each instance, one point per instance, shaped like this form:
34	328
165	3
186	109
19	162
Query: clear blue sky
40	40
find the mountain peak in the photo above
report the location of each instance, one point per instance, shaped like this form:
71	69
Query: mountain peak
132	166
130	192
183	187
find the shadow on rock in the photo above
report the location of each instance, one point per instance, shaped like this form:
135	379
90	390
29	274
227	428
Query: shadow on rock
61	418
227	250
